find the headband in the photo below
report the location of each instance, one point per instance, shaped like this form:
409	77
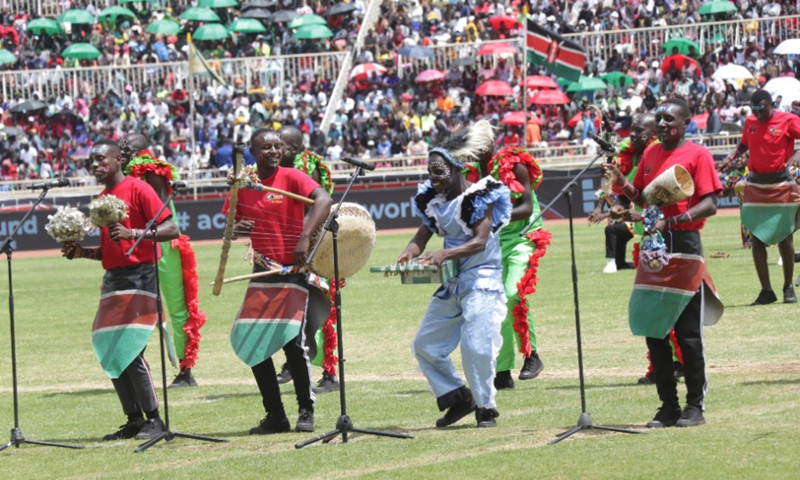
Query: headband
446	155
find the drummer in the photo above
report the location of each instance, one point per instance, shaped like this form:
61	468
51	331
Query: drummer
471	307
278	310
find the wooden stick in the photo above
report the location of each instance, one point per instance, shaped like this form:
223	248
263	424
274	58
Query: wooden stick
299	198
248	276
229	222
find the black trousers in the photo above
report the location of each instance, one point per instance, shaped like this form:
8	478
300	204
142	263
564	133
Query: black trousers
299	366
617	238
135	388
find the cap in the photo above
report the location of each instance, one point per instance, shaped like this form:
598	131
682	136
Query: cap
642	65
654	64
551	18
582	22
614	15
762	79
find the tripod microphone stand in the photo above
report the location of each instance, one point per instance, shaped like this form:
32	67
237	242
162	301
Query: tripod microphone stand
585	419
343	425
167	434
17	438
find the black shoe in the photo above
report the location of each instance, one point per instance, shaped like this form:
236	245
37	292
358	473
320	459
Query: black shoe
152	428
789	295
129	430
692	417
285	376
328	383
184	379
305	421
503	380
456	412
272	424
667	416
765	298
531	368
645	381
486	417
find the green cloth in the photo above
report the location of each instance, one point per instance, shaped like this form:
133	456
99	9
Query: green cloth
515	263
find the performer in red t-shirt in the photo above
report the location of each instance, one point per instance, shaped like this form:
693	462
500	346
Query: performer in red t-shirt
767	209
128	311
280	310
680	295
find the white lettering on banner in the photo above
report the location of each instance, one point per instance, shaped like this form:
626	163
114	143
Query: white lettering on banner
390	210
209	222
30	227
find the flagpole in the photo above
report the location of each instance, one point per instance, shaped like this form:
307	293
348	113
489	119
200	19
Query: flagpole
190	85
524	31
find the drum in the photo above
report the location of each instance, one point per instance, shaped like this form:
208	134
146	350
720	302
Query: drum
414	273
356	241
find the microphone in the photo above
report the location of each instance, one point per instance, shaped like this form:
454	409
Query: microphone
178	185
359	163
61	182
605	146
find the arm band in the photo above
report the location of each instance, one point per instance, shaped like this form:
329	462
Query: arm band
92	254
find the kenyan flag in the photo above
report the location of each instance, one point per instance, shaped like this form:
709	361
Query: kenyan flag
769	210
564	58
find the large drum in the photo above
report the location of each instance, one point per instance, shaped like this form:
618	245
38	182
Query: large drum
356	241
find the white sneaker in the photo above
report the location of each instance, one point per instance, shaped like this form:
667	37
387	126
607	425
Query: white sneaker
611	266
780	261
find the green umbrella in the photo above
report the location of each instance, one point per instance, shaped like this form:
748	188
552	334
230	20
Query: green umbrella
200	14
211	31
7	57
44	25
76	16
164	27
587	84
717	6
134	1
81	51
247	25
116	12
684	46
309	19
218	3
563	82
313	31
617	79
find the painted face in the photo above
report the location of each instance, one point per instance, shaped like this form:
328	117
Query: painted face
762	111
439	173
105	164
670	124
290	151
269	152
641	132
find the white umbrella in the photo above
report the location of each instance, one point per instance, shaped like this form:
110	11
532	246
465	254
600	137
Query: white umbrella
788	88
732	72
366	69
788	47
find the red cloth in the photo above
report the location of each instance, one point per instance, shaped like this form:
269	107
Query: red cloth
697	161
771	144
143	204
278	220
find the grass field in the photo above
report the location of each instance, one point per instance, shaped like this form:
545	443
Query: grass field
752	354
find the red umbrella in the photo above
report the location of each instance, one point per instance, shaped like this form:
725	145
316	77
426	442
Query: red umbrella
495	48
519	119
680	62
701	120
540	81
495	88
366	69
550	97
575	119
503	21
429	76
485	8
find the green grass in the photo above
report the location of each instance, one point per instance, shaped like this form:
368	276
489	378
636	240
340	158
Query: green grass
753	367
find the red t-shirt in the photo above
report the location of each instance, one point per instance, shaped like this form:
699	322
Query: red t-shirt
278	219
696	160
771	144
143	204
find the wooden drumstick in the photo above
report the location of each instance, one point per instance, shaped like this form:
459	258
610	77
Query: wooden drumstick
299	198
249	276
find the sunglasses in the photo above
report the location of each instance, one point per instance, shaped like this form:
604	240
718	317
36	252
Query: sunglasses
758	108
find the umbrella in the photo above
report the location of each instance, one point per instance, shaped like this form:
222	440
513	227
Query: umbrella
564	82
211	31
732	72
496	48
540	81
680	62
28	107
366	69
116	12
788	88
575	119
684	46
550	97
200	14
7	57
717	6
701	121
283	16
81	51
432	16
164	27
259	4
76	16
494	88
429	76
519	119
309	32
247	25
255	13
309	19
617	79
218	3
503	21
44	25
11	131
416	51
788	47
67	116
340	9
587	84
463	62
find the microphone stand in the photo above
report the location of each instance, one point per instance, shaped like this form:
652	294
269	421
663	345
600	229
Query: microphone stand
585	419
343	424
17	438
167	434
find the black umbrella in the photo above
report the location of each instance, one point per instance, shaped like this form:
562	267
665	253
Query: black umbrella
67	116
259	4
259	13
340	9
283	16
28	107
